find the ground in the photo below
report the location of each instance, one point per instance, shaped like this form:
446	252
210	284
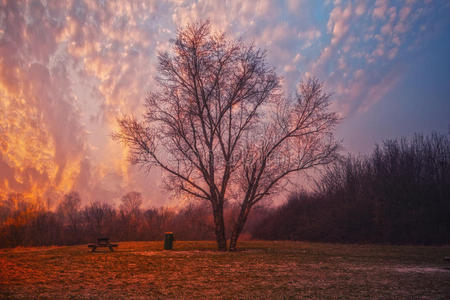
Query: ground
260	270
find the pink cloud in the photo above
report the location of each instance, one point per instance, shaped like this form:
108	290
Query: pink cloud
360	9
379	90
380	9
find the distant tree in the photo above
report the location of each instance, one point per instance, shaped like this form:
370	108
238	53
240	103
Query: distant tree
69	211
399	194
98	218
130	216
131	203
45	229
159	220
219	127
193	223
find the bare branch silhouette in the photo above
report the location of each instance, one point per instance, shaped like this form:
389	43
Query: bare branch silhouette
220	128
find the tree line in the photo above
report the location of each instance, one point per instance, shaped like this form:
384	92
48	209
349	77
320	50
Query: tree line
31	223
399	194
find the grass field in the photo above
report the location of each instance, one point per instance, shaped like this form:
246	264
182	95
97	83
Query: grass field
261	270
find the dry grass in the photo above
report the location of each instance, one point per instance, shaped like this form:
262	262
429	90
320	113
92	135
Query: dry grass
262	270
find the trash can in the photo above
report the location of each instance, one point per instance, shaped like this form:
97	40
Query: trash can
168	240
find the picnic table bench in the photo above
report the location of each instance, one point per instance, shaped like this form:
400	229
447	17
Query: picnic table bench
103	242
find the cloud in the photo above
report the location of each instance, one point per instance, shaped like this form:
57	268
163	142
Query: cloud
339	22
379	90
379	42
43	140
295	5
338	26
380	9
310	34
360	8
68	69
404	12
62	64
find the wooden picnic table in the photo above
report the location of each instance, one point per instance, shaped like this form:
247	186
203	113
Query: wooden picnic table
103	242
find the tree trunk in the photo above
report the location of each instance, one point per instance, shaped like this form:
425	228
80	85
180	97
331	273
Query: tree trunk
238	226
219	226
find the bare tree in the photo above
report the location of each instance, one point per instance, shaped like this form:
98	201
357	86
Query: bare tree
131	203
69	209
219	127
98	218
130	216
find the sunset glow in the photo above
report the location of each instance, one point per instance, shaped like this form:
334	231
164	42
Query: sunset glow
69	69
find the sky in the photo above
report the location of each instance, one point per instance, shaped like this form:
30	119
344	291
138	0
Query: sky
69	69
